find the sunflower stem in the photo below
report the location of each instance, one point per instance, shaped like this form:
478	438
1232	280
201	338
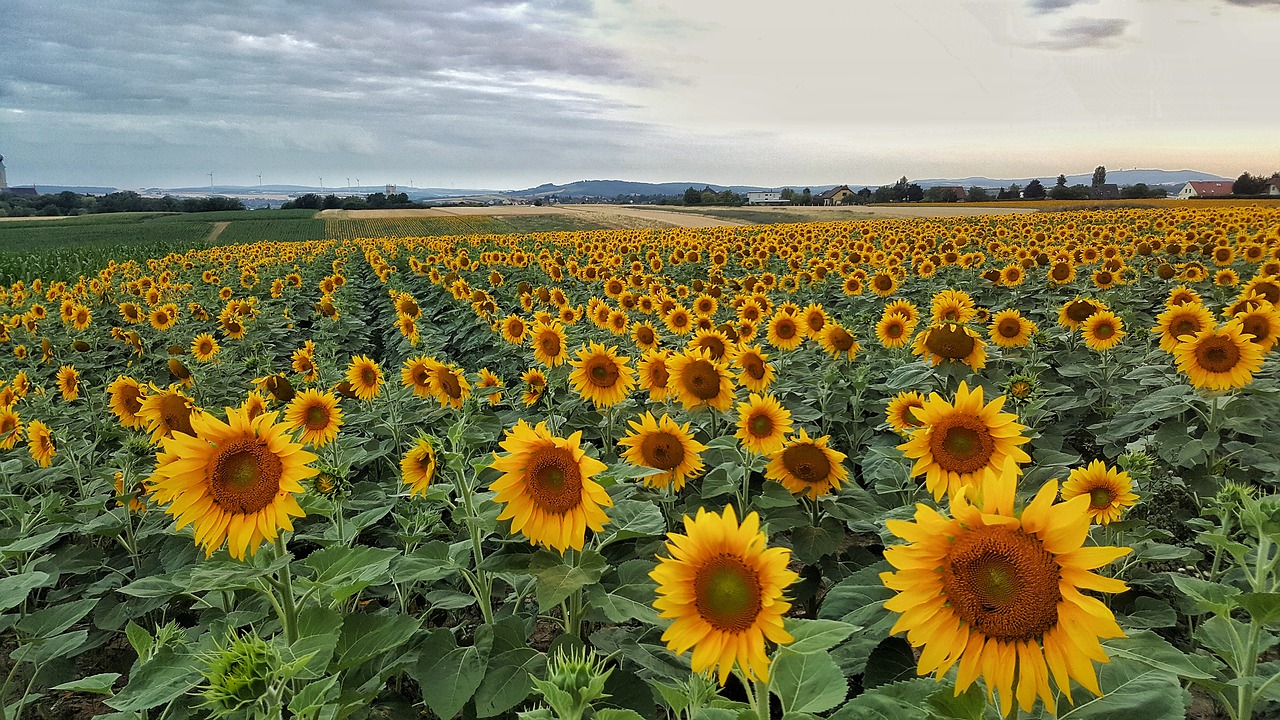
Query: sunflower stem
483	584
288	607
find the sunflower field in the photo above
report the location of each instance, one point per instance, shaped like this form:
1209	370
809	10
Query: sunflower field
958	468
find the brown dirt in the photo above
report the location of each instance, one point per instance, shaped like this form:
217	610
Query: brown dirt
218	227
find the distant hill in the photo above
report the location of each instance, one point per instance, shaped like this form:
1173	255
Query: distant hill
613	188
1119	177
415	192
78	189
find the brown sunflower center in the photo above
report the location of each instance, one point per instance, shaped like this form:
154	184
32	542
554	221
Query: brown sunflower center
603	372
961	444
950	342
550	345
713	345
420	376
1100	497
1217	354
1080	310
760	425
244	476
554	480
840	340
368	376
644	335
702	380
727	593
658	375
884	282
176	414
1104	330
662	451
785	329
316	417
807	463
1258	327
1003	583
1185	326
448	382
1009	328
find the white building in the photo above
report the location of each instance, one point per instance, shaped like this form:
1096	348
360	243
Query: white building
4	181
765	197
1211	188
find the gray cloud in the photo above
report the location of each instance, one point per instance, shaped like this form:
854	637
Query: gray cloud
1048	6
1086	33
1255	3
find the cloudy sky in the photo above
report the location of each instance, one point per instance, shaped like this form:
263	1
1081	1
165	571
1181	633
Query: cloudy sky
506	94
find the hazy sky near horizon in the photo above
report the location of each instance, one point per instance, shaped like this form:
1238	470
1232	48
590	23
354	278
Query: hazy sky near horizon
507	94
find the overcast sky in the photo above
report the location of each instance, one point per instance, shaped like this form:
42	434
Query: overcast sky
446	93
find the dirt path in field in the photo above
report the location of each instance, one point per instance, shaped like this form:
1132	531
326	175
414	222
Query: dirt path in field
218	227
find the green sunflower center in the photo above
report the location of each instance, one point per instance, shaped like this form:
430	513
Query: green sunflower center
961	444
727	593
1100	498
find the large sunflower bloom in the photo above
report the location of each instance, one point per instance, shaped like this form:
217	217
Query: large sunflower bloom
1103	330
757	374
654	375
806	466
69	383
663	445
317	415
365	377
785	332
964	442
950	341
722	587
1009	329
449	385
953	306
900	412
234	481
1219	358
548	342
837	341
546	488
1075	312
1110	490
165	412
763	424
204	347
698	381
415	373
601	375
893	330
1263	323
1178	322
998	593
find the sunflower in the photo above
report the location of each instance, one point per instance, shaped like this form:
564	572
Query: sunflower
722	588
806	466
814	319
514	329
448	385
204	347
40	443
69	383
81	317
763	423
953	306
713	341
254	404
10	428
756	373
415	373
131	313
678	321
365	377
1219	358
963	443
653	374
418	466
1075	312
903	308
884	284
535	382
663	445
1103	330
125	398
304	362
317	415
1181	321
165	412
837	341
999	592
1263	323
950	341
784	332
698	381
601	375
900	413
490	380
1110	490
548	342
1009	329
644	335
546	488
893	331
234	481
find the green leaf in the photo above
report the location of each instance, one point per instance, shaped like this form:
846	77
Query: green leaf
427	564
344	571
1130	690
508	681
152	587
557	580
449	675
627	593
1264	608
163	678
816	635
616	714
99	684
366	636
139	639
633	519
53	620
43	650
15	588
312	697
1149	612
811	544
1208	596
806	682
890	662
319	630
1150	649
33	543
900	701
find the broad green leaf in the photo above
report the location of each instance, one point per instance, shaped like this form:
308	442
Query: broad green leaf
33	543
449	675
152	587
365	636
43	650
891	661
1264	608
616	714
1150	649
52	620
806	682
99	684
508	681
163	678
1208	596
811	544
626	593
344	571
15	588
557	580
815	635
312	697
1130	690
633	519
139	639
900	701
319	629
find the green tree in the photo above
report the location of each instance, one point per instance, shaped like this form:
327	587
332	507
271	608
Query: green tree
1099	176
1034	191
1062	181
977	194
692	196
1248	184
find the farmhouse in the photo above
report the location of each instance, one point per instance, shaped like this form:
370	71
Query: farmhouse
765	197
1205	188
835	196
949	193
1106	191
1273	187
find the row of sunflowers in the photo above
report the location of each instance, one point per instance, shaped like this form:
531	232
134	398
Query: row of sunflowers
761	471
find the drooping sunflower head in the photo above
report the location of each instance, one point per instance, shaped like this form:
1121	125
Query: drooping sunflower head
723	589
699	381
996	593
165	412
662	444
317	415
546	489
962	443
535	383
806	466
1103	330
489	380
763	424
365	377
1220	358
449	385
1110	490
418	466
838	342
951	342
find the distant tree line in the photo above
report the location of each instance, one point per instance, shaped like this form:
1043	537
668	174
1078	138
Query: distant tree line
1249	184
70	203
372	201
